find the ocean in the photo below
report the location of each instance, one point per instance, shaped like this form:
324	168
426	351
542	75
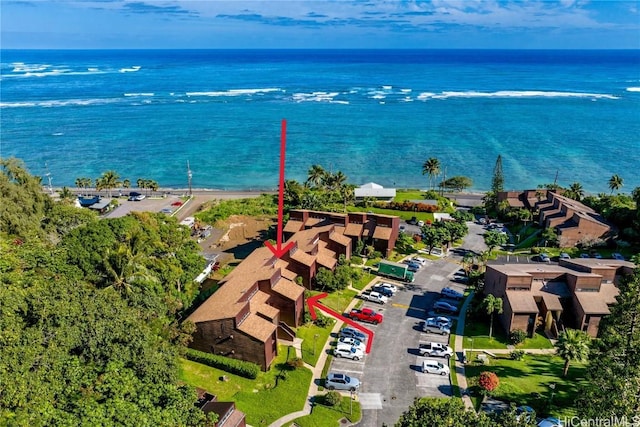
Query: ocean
376	115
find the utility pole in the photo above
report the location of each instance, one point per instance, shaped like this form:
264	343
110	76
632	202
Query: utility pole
555	181
444	178
189	175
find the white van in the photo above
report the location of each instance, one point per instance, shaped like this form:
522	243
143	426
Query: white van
434	367
188	221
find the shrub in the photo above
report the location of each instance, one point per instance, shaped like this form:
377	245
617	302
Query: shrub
332	398
517	354
227	364
296	362
517	336
488	381
356	260
322	321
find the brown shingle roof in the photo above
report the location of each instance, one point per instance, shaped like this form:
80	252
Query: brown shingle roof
353	230
592	303
340	238
383	233
552	302
303	258
293	226
259	304
521	302
255	326
288	289
312	222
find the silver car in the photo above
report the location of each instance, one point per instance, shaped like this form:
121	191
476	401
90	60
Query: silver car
336	381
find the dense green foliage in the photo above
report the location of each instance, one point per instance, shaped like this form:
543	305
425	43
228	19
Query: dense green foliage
452	413
613	375
264	205
233	366
88	333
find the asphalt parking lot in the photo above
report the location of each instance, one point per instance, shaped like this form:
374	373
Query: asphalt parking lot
145	205
391	374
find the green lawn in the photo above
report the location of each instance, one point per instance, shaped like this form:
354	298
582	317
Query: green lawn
328	416
364	280
338	300
538	341
262	400
312	346
527	382
479	332
404	195
424	216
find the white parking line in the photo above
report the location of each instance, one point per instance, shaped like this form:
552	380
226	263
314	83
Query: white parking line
370	400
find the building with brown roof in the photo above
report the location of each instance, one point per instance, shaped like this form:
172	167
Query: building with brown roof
261	300
228	414
573	221
380	231
575	293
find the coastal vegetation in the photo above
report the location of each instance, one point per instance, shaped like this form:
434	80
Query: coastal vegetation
90	311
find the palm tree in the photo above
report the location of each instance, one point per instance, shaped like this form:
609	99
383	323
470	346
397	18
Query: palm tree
347	193
572	345
126	183
615	183
335	181
432	168
110	180
66	195
492	305
316	175
575	191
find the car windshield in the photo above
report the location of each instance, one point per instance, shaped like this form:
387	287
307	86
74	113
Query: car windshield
347	379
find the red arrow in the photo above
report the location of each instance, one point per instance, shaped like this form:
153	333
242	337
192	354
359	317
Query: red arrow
278	251
312	303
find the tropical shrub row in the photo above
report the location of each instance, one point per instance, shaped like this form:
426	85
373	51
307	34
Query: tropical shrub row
227	364
407	206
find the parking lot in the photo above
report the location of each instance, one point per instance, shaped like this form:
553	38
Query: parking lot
391	374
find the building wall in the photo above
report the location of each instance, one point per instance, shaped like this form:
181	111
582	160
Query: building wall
495	282
220	337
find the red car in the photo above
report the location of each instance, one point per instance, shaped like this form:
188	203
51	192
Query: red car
366	315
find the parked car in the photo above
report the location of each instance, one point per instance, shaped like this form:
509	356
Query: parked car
564	255
437	252
382	290
353	342
413	267
420	223
336	381
434	367
617	255
389	286
374	297
451	293
441	321
366	315
525	413
551	422
597	255
167	211
402	228
136	197
584	255
435	349
544	258
419	260
431	326
347	351
445	307
352	333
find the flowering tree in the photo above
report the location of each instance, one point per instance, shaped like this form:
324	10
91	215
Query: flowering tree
488	381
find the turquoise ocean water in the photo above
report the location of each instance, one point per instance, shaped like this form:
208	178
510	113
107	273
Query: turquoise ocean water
376	115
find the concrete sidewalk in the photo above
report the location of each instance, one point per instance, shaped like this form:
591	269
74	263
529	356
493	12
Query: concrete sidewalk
459	351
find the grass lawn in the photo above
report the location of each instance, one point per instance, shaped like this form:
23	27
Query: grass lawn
424	216
338	300
538	341
452	364
311	346
330	416
262	399
404	195
479	332
364	280
527	382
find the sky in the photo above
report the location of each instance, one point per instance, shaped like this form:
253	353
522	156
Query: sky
370	24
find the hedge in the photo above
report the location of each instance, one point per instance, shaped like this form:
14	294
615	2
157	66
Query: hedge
227	364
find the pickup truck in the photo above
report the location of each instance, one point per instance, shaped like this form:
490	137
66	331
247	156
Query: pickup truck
435	349
366	315
374	297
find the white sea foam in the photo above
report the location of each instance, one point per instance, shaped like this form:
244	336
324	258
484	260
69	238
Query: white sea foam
59	103
316	97
236	92
405	90
387	87
58	134
340	102
21	67
513	94
140	94
633	89
130	69
378	96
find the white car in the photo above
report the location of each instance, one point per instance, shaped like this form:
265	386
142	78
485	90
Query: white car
393	288
419	260
451	293
435	349
352	342
348	352
434	367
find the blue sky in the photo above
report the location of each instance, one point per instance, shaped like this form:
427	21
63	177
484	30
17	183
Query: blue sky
100	24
